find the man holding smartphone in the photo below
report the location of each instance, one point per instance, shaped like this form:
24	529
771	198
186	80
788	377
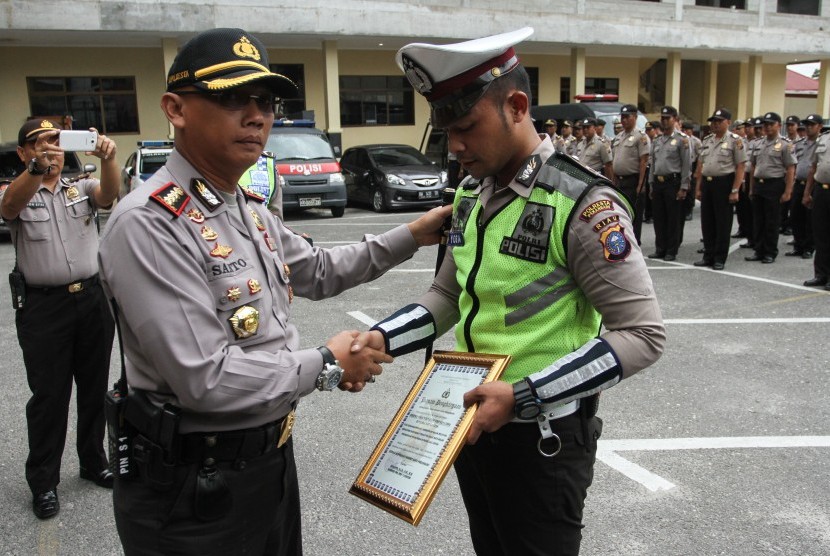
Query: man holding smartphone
63	324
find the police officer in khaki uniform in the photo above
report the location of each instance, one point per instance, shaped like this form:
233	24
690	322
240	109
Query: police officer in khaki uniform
202	277
535	202
801	217
579	140
669	178
568	139
63	326
719	176
817	198
770	185
630	150
594	152
689	203
558	142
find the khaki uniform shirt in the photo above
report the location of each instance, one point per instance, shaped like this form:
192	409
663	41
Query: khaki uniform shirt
56	235
621	291
721	156
696	145
204	298
671	154
570	145
770	159
558	143
628	147
804	153
821	159
595	154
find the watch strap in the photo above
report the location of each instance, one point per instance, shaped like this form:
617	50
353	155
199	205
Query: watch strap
328	356
35	170
523	395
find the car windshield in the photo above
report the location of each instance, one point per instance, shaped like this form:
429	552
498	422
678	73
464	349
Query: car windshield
398	156
150	163
299	146
11	166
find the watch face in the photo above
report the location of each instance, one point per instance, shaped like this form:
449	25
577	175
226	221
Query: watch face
529	411
333	379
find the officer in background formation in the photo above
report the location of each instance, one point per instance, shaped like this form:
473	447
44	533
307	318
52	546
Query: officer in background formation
63	323
202	278
790	126
817	198
558	142
568	139
800	216
743	208
771	184
694	145
670	179
630	151
546	267
599	126
594	152
579	138
718	178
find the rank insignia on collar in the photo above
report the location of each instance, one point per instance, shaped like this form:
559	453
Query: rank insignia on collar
72	192
172	197
253	195
234	293
260	225
205	194
221	251
529	171
244	322
615	246
253	286
269	241
196	215
208	233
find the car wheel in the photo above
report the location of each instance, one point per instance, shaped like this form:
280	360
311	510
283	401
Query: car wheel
378	202
337	212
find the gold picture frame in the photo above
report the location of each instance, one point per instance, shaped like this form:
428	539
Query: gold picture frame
426	435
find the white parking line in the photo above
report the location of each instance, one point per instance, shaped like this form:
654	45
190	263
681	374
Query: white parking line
749	321
607	451
362	317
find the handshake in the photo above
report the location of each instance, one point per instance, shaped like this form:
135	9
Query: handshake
360	355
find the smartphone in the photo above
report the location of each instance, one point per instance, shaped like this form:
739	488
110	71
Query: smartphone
78	140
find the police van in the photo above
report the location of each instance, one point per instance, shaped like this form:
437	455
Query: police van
143	163
309	173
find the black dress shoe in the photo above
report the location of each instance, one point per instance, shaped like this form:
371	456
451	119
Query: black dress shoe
767	260
717	266
102	478
45	504
807	255
818	281
703	262
793	253
754	258
670	258
656	256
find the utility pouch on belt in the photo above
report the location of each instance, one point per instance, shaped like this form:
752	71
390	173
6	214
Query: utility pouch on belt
18	285
155	448
213	499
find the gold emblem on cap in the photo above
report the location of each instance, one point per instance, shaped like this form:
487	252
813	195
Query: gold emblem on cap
496	72
208	233
221	251
244	322
234	293
196	215
253	286
72	193
260	225
47	124
244	49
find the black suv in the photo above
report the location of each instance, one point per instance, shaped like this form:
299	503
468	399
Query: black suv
11	167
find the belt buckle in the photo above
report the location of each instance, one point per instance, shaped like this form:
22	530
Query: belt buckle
825	186
760	180
709	178
661	179
285	428
76	287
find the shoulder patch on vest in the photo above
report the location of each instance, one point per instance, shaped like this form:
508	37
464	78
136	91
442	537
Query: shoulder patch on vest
251	195
528	172
206	194
469	183
172	197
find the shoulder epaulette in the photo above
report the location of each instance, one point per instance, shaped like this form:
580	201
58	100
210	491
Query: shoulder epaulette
787	139
469	183
269	154
708	136
172	197
251	195
77	178
576	169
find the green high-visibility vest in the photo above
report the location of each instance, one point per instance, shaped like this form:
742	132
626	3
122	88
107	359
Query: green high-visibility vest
261	178
517	295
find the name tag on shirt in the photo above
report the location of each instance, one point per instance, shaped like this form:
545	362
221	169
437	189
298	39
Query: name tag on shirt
76	201
36	204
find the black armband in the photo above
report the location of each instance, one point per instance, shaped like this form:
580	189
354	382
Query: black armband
408	329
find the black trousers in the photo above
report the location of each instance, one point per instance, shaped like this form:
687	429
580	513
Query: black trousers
821	230
668	215
64	336
521	503
716	217
801	220
628	186
766	216
263	517
743	209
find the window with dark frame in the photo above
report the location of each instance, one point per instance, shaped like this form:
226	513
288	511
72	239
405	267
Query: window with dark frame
292	107
109	104
799	7
370	100
728	4
593	86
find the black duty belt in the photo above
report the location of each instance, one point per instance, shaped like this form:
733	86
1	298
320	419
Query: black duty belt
230	446
769	180
730	177
667	177
630	177
74	287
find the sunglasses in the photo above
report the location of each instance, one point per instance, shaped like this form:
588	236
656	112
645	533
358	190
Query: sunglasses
238	100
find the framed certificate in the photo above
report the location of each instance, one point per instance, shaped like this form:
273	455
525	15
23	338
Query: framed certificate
421	443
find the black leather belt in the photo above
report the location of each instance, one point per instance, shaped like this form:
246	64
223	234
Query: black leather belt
630	177
667	177
74	287
769	180
229	446
730	177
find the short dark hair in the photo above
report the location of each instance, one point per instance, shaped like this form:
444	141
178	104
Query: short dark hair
516	79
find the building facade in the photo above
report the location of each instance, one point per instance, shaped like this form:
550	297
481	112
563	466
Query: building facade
104	62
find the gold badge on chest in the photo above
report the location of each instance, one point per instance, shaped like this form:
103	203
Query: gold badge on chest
222	251
196	215
208	233
260	225
72	193
253	286
244	322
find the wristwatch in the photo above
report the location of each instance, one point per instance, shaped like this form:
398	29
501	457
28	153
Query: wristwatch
330	376
36	170
527	405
